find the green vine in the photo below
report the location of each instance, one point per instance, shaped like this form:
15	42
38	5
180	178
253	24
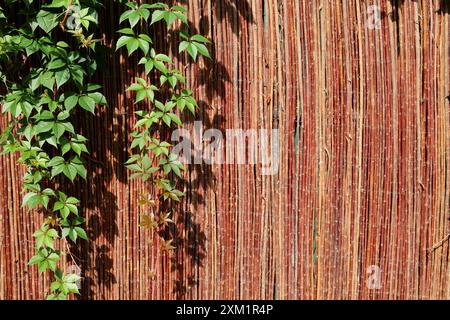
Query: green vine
47	58
44	81
162	101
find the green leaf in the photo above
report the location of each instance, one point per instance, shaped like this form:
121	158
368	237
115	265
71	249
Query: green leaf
181	16
55	285
56	64
145	37
122	42
70	171
55	161
35	260
202	49
58	296
63	115
144	45
79	167
157	16
45	236
62	77
76	148
58	130
30	199
134	19
166	120
175	119
183	46
81	233
192	50
132	45
200	38
73	235
58	206
47	79
46	20
87	103
128	31
98	98
43	126
176	169
57	170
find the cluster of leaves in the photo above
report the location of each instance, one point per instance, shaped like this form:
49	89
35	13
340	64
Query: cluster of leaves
162	103
45	80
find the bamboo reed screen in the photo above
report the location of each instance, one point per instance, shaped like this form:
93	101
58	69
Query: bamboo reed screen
364	176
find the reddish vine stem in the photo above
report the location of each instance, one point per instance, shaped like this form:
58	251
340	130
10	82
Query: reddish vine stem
66	15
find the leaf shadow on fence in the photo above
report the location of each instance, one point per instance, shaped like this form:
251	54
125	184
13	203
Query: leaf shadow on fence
212	78
108	146
394	15
99	203
229	11
110	151
188	235
444	8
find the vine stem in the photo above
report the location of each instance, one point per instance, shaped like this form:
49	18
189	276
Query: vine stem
440	243
66	15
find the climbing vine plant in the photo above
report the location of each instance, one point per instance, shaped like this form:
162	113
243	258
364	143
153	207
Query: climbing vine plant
47	61
162	101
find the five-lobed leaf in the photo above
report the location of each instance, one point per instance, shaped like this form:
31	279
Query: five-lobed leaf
45	237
